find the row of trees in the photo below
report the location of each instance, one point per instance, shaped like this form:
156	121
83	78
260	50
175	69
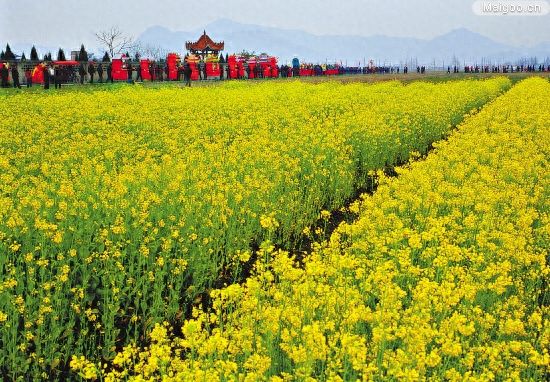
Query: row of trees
113	40
82	55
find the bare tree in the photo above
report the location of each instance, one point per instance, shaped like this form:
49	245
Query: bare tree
156	52
455	61
114	40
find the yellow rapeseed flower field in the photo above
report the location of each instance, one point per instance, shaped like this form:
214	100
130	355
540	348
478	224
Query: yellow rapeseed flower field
442	277
119	208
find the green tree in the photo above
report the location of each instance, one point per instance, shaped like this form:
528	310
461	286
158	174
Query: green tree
34	54
61	55
8	55
106	57
83	55
246	54
23	58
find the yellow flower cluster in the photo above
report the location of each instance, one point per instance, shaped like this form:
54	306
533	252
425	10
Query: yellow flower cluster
120	207
442	277
86	369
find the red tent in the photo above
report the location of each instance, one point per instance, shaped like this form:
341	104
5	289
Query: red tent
145	63
66	63
173	61
119	68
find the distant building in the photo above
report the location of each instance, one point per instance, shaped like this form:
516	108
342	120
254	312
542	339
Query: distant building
204	46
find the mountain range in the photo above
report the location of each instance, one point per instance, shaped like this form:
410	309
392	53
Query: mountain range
460	45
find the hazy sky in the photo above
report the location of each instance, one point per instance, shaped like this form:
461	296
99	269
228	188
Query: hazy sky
67	23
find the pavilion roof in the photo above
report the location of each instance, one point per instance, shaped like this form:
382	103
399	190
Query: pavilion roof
204	43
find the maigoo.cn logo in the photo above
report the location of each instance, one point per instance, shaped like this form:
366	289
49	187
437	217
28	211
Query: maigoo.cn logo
511	8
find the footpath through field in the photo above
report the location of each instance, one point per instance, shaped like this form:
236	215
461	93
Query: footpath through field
443	276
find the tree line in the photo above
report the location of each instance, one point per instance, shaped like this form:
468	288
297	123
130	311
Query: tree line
82	55
113	40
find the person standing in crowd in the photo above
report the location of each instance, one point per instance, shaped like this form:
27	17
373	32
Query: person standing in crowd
46	72
28	77
4	73
100	72
81	73
129	68
187	74
110	72
152	71
15	76
160	72
178	72
57	77
51	71
139	77
91	71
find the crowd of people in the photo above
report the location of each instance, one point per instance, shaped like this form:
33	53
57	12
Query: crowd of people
101	72
5	70
59	73
503	68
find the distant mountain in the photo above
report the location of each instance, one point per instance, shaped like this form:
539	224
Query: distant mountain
463	44
459	45
165	38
